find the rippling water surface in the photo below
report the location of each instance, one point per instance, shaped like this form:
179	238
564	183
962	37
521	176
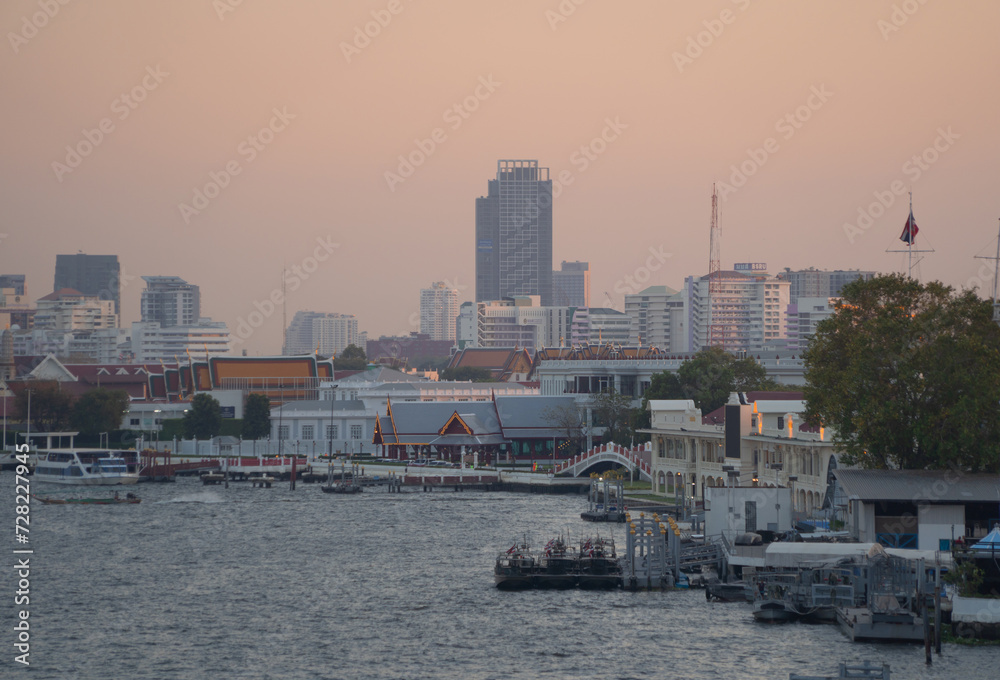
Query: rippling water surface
204	582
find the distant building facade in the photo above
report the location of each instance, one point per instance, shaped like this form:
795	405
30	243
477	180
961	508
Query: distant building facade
14	281
311	332
596	325
152	342
520	321
438	311
815	283
751	309
98	275
170	301
658	318
514	233
571	285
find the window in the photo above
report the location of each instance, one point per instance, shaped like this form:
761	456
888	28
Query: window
134	421
307	431
331	432
356	431
283	432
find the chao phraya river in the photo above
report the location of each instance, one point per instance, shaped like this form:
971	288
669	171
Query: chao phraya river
204	582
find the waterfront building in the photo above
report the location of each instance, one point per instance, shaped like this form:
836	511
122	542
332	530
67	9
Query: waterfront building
438	311
346	426
658	317
571	285
170	301
514	233
920	509
91	275
500	429
761	437
748	313
630	370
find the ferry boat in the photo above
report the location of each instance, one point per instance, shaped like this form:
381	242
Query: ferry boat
89	467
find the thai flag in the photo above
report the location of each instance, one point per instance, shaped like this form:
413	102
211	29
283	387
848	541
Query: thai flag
910	230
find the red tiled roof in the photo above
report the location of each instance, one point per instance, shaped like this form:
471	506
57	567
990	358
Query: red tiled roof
61	293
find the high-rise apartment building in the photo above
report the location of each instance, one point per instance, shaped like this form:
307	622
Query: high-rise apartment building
438	311
657	316
750	311
571	285
334	332
520	321
171	301
70	310
91	275
816	283
514	233
322	332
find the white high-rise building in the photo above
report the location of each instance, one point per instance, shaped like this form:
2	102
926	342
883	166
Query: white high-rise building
438	311
152	342
71	310
520	321
750	311
658	319
332	333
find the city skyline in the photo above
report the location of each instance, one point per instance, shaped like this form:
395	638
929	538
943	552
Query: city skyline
352	151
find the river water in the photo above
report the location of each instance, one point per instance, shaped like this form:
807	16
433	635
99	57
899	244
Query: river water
205	582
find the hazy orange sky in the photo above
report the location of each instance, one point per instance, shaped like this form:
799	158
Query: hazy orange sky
824	104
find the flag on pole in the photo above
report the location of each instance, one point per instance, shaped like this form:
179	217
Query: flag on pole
910	230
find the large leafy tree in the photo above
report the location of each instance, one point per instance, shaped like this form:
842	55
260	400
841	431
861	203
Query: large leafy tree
709	378
569	421
256	416
50	405
908	375
613	410
351	359
99	410
204	418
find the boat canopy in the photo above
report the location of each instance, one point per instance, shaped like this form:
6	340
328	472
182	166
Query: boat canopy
990	541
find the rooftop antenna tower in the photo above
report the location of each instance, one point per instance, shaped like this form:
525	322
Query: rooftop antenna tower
715	328
996	272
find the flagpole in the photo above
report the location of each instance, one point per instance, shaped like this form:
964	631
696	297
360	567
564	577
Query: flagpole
909	244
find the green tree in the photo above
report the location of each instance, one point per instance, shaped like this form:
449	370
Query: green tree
256	416
351	359
473	373
50	405
908	375
569	421
99	410
204	418
709	377
614	411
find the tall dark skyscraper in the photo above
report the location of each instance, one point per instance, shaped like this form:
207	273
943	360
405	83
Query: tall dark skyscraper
514	233
90	274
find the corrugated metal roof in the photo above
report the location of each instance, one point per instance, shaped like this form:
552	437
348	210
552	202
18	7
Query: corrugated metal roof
925	486
533	416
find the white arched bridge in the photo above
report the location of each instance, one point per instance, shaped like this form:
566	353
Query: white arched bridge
638	458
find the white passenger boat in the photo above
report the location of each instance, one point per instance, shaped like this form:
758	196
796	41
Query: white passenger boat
91	467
